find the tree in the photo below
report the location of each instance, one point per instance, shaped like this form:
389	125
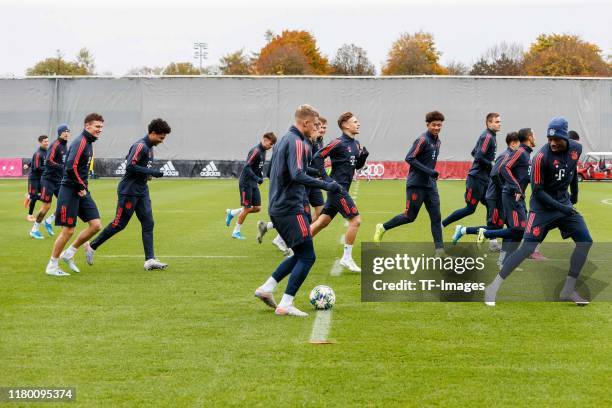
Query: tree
502	59
86	60
144	70
180	68
291	53
413	54
565	55
59	66
236	63
457	68
352	60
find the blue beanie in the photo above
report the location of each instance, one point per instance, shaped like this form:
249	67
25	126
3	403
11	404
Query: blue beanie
62	128
558	128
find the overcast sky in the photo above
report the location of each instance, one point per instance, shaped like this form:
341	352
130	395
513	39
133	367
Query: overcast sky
131	33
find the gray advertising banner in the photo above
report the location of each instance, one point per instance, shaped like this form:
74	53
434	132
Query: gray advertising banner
221	118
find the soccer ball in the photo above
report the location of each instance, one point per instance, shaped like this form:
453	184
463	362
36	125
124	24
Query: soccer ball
322	297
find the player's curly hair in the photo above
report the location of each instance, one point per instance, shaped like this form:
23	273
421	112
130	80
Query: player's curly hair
433	116
159	126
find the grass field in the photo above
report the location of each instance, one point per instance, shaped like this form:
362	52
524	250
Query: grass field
193	335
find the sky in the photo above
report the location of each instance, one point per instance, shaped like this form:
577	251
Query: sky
125	34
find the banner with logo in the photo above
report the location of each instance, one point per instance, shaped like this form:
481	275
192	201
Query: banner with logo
11	167
232	168
174	168
399	170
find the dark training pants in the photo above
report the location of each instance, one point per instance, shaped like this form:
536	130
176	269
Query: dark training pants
297	265
126	206
475	190
415	197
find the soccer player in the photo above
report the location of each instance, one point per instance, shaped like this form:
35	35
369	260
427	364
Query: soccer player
315	196
74	199
250	179
346	155
288	180
51	179
478	176
421	184
553	170
515	173
36	171
573	135
133	195
495	208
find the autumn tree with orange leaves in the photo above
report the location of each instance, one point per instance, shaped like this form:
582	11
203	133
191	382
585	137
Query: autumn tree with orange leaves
565	55
291	53
414	54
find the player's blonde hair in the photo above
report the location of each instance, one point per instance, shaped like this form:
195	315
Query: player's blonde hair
306	112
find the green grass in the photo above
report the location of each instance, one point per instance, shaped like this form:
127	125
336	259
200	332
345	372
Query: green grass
195	336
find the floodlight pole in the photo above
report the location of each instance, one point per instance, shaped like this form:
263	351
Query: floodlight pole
200	52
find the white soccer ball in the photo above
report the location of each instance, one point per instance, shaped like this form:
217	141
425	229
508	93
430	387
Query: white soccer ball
322	297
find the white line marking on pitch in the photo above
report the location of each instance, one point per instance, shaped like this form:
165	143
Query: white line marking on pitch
607	201
321	326
176	256
336	269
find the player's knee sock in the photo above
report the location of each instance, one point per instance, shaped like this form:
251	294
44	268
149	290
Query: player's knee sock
284	268
236	211
269	285
286	300
237	227
459	214
579	257
269	225
348	251
51	219
514	260
70	252
305	255
32	205
396	221
147	240
35	226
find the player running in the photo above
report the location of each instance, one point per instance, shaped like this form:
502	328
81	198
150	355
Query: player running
51	179
133	195
74	199
36	170
515	173
250	179
346	154
495	207
421	184
479	174
553	170
288	180
313	197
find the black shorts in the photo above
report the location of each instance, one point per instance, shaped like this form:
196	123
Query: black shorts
315	197
540	223
516	212
34	189
416	196
293	229
48	189
249	196
475	190
70	206
340	203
